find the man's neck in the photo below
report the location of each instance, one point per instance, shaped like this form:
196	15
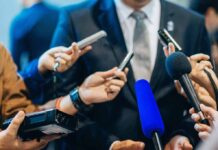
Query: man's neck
137	4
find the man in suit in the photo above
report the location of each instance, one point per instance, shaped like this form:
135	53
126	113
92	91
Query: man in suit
124	21
32	30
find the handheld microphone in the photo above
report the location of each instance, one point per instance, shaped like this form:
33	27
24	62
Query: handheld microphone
85	42
178	67
151	121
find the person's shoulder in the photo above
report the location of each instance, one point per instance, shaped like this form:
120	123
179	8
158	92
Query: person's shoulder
3	51
83	5
50	8
185	12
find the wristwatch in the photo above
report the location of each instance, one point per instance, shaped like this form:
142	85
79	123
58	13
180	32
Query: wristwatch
77	102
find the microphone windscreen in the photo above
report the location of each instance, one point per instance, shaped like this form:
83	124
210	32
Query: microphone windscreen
150	117
177	64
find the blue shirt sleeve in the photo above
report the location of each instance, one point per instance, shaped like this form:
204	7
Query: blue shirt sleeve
34	81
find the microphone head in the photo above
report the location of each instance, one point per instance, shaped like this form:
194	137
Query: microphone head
150	117
177	64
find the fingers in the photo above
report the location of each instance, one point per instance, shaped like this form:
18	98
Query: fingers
196	117
50	138
34	144
15	124
62	58
128	145
166	52
115	82
169	49
121	75
113	89
58	49
76	52
209	111
207	64
187	146
202	128
199	57
107	74
207	100
126	71
137	146
85	50
213	75
114	86
203	135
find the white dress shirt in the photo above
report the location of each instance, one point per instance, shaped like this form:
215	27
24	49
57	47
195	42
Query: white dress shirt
153	12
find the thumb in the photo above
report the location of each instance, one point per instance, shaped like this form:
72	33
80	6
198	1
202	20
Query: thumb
107	74
208	110
187	146
16	122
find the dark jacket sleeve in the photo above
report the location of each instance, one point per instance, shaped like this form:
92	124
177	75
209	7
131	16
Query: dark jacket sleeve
91	133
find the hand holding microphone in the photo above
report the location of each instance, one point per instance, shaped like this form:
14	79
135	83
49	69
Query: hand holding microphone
211	114
65	56
62	58
178	67
200	66
81	45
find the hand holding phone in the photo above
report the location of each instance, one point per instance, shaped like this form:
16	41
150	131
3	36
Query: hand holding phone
166	38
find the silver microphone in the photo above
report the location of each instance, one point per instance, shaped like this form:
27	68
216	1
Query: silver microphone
85	42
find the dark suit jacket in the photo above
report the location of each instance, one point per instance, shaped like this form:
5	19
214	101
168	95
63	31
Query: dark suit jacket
120	117
32	31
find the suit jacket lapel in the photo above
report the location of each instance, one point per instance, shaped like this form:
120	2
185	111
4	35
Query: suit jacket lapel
108	21
157	75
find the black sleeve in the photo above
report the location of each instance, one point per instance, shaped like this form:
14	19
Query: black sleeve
89	134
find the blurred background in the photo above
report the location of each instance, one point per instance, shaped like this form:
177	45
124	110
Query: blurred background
10	8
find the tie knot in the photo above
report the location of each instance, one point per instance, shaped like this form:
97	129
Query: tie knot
138	15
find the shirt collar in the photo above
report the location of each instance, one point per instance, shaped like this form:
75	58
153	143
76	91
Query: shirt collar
150	10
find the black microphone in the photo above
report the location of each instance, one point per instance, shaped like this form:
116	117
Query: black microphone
150	117
178	67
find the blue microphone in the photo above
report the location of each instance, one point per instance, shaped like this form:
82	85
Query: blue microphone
151	121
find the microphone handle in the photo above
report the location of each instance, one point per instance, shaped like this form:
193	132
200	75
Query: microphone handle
190	92
192	96
156	141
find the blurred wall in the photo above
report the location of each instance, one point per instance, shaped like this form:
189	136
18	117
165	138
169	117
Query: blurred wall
9	8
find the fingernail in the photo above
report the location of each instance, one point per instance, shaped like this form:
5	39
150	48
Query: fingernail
21	114
197	127
142	145
194	116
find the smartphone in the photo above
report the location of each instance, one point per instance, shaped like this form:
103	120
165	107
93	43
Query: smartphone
166	38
